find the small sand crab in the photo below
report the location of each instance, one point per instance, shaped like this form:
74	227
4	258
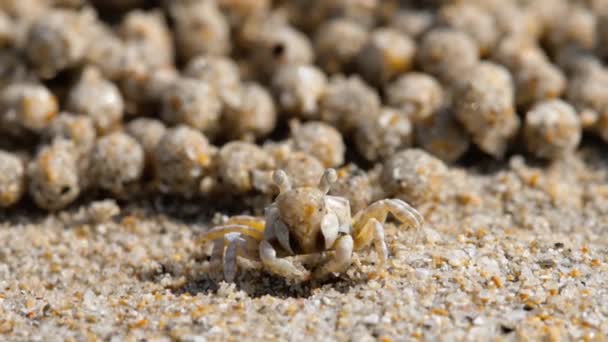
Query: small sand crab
305	223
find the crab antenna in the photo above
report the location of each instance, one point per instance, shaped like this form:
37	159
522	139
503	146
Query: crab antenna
281	180
329	177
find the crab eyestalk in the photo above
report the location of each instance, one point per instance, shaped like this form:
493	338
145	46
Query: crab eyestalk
281	180
329	177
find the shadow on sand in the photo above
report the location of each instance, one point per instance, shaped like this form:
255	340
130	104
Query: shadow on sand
258	284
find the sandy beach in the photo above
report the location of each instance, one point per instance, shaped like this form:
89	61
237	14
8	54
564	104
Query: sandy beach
512	252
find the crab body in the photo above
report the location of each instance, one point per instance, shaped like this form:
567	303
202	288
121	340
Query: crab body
305	225
312	219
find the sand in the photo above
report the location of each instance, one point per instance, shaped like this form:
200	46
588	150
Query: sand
512	250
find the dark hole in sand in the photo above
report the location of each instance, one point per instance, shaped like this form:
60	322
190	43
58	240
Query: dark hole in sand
506	330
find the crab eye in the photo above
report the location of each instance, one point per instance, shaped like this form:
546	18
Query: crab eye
329	177
281	180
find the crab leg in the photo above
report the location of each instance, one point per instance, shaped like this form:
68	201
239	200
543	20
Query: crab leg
373	231
235	241
227	248
234	235
249	221
218	250
221	231
380	209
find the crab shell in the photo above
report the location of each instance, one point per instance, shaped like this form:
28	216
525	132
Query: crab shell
307	220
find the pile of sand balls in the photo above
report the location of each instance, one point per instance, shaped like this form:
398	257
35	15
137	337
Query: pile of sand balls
209	97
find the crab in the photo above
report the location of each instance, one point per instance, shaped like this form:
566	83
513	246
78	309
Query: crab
305	225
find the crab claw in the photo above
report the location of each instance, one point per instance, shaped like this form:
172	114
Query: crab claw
281	266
